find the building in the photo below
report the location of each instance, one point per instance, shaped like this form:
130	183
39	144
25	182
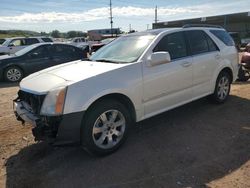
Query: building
236	23
99	34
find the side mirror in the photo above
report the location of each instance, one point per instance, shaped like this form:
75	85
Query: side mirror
11	45
158	58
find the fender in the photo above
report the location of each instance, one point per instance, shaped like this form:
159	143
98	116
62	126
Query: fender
224	64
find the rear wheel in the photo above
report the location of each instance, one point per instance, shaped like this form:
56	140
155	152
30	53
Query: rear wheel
222	88
105	127
13	74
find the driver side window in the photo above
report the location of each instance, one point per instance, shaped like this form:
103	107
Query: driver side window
16	42
174	44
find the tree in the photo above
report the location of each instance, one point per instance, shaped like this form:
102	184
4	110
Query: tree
55	34
42	33
72	34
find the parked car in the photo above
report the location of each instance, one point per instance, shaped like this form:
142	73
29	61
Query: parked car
2	41
96	46
78	41
12	45
36	57
135	77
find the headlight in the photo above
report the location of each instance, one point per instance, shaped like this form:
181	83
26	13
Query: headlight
53	103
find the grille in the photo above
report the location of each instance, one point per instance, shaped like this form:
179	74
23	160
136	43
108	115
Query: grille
35	101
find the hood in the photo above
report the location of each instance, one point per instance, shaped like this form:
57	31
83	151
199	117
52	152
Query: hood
65	74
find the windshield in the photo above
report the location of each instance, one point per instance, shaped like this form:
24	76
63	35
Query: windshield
25	50
125	49
6	42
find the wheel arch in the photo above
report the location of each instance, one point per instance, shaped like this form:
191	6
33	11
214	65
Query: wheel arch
14	65
229	71
123	99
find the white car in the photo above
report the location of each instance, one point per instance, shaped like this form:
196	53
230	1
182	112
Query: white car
12	45
135	77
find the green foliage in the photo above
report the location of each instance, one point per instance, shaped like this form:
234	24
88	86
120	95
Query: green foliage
17	33
55	34
72	34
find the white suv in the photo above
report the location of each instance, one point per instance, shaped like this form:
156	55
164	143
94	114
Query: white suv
12	45
135	77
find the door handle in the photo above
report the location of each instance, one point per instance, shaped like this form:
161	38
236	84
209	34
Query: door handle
186	64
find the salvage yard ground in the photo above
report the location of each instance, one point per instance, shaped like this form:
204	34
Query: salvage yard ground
197	145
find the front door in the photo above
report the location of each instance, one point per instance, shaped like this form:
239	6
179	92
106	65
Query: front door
38	59
168	85
16	45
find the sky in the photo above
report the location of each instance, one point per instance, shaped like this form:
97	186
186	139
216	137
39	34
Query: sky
83	15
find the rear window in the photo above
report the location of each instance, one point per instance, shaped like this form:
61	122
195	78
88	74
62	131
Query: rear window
223	36
30	41
64	50
198	42
47	40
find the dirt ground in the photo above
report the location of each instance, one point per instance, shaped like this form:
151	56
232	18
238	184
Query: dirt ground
197	145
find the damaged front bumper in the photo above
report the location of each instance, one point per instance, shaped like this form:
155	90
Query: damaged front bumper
64	129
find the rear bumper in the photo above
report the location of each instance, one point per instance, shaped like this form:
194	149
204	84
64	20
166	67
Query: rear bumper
59	130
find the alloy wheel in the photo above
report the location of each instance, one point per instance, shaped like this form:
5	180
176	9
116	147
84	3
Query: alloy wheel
13	74
223	88
108	129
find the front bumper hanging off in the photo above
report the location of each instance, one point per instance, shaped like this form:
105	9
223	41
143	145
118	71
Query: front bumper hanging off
65	129
41	129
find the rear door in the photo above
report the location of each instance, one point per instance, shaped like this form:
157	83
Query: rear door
64	53
206	56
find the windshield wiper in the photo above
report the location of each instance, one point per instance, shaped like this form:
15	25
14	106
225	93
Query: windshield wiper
86	59
107	61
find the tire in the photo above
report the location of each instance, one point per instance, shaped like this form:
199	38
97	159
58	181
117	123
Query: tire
243	75
222	88
101	133
13	74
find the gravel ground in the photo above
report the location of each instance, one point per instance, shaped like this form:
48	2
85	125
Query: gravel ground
197	145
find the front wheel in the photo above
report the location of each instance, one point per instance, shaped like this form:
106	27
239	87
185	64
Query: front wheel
222	88
105	127
13	74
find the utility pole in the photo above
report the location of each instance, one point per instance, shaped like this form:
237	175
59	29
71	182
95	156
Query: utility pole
111	18
156	14
130	28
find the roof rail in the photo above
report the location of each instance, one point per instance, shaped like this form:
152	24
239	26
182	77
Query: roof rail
201	25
